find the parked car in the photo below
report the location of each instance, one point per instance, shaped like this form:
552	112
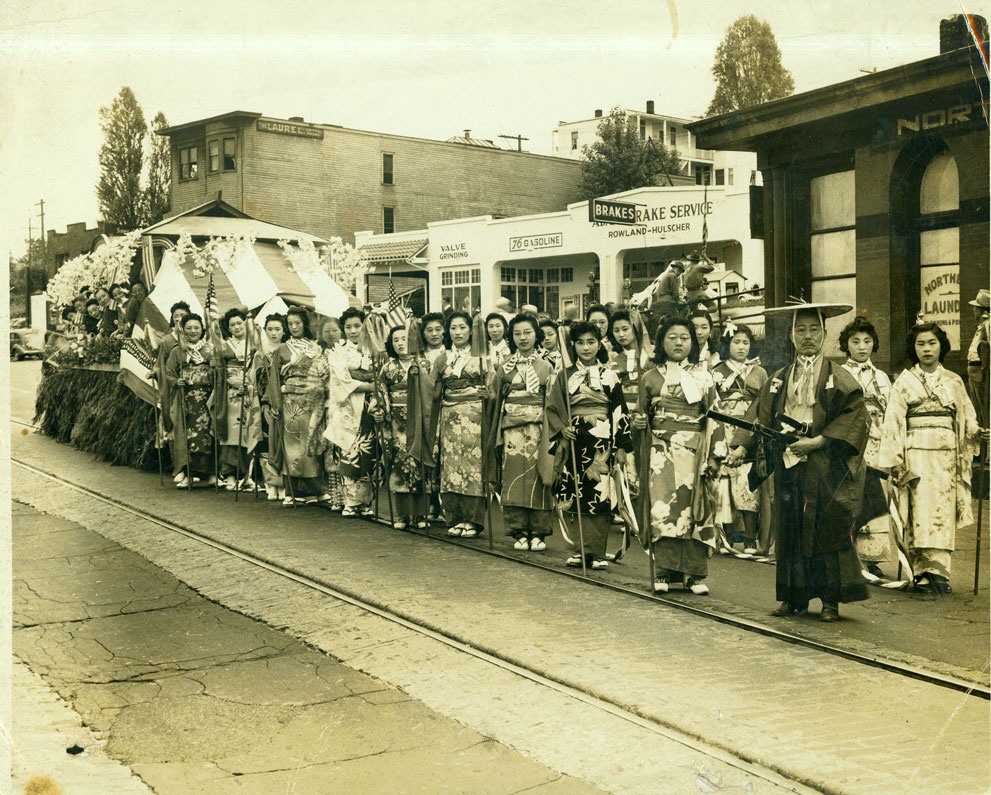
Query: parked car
22	346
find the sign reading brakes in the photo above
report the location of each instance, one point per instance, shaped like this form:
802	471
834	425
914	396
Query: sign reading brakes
609	212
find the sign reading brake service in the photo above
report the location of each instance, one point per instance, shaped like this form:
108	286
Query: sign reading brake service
610	212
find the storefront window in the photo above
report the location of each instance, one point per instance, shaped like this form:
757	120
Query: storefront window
834	246
462	287
939	245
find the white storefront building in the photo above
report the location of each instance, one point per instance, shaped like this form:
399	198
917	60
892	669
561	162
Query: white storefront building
551	260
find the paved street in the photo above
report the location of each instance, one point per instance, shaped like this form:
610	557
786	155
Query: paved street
838	725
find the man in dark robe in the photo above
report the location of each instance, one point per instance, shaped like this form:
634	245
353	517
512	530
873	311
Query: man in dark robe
819	479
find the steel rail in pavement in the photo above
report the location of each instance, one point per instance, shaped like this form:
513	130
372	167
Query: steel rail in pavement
725	755
891	666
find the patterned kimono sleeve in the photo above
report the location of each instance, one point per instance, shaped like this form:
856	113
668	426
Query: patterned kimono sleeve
715	432
316	384
894	427
274	387
621	430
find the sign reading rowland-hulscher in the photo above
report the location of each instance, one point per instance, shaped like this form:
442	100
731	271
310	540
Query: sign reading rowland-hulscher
289	128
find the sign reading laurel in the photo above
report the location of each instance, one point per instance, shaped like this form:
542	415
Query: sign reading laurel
609	212
534	242
288	128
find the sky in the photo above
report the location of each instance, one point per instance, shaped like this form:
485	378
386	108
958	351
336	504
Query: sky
418	67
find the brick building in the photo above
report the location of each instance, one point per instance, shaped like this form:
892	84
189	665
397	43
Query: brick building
328	180
876	192
60	247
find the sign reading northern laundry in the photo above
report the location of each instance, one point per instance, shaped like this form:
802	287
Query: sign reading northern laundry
535	242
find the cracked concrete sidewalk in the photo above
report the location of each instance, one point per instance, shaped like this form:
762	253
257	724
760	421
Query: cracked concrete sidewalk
195	698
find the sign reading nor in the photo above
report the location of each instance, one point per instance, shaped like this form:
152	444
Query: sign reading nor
534	242
289	128
610	212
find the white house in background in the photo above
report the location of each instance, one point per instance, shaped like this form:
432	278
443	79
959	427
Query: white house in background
549	260
734	170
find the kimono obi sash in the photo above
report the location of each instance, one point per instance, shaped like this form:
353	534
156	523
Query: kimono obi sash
674	414
590	403
398	395
464	392
294	379
197	374
525	410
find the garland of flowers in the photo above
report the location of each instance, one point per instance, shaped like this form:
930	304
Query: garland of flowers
89	350
337	260
101	268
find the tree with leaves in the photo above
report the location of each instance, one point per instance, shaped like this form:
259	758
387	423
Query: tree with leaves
748	68
118	190
157	196
621	160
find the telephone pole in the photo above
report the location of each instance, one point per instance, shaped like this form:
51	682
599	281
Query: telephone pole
44	242
27	277
519	140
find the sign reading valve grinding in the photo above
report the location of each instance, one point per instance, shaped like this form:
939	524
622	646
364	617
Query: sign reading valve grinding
610	212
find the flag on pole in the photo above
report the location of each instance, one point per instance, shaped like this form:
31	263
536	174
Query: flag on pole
210	307
136	365
392	308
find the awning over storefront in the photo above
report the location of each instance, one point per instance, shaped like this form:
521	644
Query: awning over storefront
392	252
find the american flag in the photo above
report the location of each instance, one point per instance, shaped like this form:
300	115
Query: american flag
392	308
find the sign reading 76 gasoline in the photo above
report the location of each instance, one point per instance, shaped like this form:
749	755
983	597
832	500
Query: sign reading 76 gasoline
610	212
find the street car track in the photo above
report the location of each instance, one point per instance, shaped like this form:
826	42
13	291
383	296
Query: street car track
726	756
892	666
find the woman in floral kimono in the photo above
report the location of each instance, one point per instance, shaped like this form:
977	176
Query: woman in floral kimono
520	434
629	360
291	411
190	381
432	340
600	432
676	394
739	378
403	412
873	537
276	332
350	426
928	438
165	347
238	412
495	328
318	392
460	401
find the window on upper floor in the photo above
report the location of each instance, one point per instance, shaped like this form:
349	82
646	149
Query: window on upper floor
188	164
388	220
643	129
388	175
230	160
574	140
213	156
729	176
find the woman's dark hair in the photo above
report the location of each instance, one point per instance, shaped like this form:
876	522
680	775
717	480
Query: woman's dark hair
739	328
281	320
189	319
350	312
300	312
596	308
91	301
175	306
115	285
623	314
389	347
524	318
67	312
547	322
225	321
579	327
660	357
430	317
921	328
501	319
856	326
447	327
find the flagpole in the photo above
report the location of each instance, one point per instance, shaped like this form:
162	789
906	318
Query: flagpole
182	407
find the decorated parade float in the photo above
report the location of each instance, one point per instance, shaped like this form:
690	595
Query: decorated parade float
98	390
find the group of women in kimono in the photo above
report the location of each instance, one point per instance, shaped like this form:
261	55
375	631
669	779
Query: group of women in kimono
574	429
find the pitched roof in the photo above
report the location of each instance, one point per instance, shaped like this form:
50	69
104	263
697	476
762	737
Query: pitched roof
216	226
401	251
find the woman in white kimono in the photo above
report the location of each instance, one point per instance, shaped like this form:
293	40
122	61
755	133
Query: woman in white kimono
928	439
873	536
495	330
349	423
